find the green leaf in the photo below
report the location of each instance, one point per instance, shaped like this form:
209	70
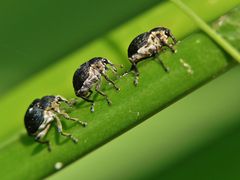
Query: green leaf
57	79
36	34
191	139
195	138
203	25
156	90
228	26
130	106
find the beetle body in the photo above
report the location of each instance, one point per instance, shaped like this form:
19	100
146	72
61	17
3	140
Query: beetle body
34	117
149	44
40	115
89	75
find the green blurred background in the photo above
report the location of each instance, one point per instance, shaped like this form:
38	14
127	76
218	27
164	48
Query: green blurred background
35	34
205	143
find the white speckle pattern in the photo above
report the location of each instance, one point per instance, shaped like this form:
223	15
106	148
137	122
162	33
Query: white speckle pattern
137	113
93	77
153	45
187	66
48	117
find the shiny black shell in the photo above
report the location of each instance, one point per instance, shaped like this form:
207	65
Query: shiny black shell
166	30
82	73
46	101
34	118
137	43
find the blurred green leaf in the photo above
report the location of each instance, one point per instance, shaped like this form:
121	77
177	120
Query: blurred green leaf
36	34
228	26
57	79
208	30
195	138
206	59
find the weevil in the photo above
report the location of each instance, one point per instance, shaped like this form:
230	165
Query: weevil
88	75
40	115
149	44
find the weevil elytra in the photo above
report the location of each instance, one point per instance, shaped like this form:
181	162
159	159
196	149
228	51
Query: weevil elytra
88	75
40	115
149	44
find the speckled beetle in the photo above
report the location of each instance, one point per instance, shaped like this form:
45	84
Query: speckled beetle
40	115
88	75
149	44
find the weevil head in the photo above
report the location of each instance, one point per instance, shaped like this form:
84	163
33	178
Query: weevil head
163	32
59	99
160	29
107	62
160	32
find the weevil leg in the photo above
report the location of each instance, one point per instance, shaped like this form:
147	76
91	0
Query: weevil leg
170	46
45	142
112	82
114	69
125	73
68	102
66	116
41	134
97	88
71	102
86	99
89	100
136	73
90	93
60	130
115	73
173	38
166	69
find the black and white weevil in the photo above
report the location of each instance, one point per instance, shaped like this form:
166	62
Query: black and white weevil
88	75
149	44
40	115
